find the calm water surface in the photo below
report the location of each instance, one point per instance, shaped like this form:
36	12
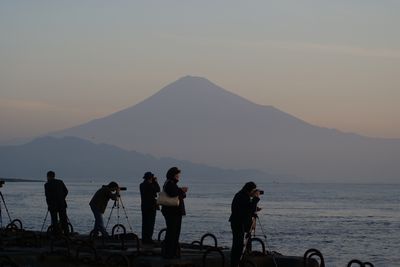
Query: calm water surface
342	221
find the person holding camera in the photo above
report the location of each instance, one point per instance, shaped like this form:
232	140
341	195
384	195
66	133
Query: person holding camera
99	202
56	192
173	214
148	193
244	207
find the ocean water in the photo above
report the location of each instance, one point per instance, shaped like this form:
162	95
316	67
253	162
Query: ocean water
343	221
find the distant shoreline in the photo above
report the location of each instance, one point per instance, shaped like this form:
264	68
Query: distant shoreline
18	180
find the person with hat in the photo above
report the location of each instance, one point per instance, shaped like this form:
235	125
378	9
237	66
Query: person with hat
99	202
173	214
148	193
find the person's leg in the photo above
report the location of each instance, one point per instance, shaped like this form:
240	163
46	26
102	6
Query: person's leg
101	226
145	226
173	229
169	241
95	227
148	221
237	244
166	242
178	233
152	222
64	221
54	217
54	221
99	222
163	242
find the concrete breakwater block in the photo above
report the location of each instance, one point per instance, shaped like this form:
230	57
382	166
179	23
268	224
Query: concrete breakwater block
34	249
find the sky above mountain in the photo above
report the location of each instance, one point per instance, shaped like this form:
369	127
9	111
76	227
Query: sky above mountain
331	63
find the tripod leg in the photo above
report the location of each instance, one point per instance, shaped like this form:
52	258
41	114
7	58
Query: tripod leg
109	217
266	241
118	210
247	239
44	221
245	245
126	215
5	205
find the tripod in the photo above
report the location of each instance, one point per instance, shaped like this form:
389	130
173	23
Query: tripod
5	206
252	234
117	204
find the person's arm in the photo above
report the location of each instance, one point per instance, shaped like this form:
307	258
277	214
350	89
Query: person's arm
47	193
253	205
171	189
255	198
182	193
114	196
242	207
65	190
147	191
250	211
156	186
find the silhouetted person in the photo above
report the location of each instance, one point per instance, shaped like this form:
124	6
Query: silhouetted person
244	206
173	215
56	192
148	193
99	202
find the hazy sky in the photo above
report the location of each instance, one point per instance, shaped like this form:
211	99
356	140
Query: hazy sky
332	63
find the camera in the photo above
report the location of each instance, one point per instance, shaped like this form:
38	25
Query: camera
2	183
260	191
122	189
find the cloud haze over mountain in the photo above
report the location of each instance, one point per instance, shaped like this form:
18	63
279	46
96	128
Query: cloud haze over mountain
196	120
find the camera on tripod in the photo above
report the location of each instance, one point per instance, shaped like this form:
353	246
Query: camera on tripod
120	189
117	204
2	183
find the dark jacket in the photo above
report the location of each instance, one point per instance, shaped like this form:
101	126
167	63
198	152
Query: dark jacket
148	194
56	192
101	198
243	208
171	188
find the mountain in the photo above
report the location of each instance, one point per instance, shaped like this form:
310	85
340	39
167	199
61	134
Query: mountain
194	119
74	158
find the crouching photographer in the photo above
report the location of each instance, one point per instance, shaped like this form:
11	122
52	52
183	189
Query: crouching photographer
99	202
244	207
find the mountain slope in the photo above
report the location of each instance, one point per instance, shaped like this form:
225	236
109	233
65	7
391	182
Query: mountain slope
72	157
196	120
